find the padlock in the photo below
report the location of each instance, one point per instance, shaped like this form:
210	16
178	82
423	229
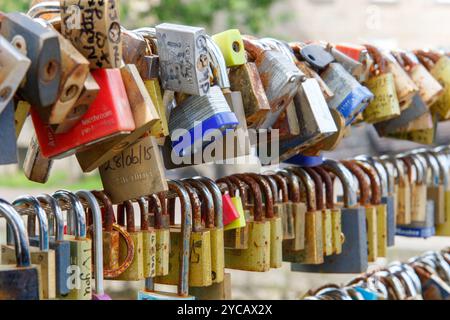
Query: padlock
148	237
313	252
370	210
316	56
41	46
315	120
88	94
200	243
381	209
125	218
298	209
327	225
161	226
183	57
358	53
190	122
353	258
182	259
20	281
236	234
388	195
22	109
136	50
111	233
385	105
36	167
276	227
80	271
229	211
354	67
13	68
438	65
279	75
443	229
42	256
99	293
246	79
441	215
232	47
257	256
57	243
405	87
136	172
8	147
429	88
109	116
217	233
336	215
419	190
404	193
144	114
283	208
98	35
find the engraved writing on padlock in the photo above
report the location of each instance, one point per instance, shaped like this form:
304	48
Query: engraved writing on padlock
98	36
13	67
184	62
42	82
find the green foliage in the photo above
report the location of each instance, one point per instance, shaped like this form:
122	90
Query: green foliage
14	5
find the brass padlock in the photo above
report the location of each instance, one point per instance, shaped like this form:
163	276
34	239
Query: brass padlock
276	228
283	208
385	106
148	238
161	226
327	225
313	252
257	256
36	167
336	215
93	27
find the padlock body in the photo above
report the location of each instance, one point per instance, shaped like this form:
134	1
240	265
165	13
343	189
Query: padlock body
135	271
429	88
149	253
372	235
232	47
19	284
419	202
284	211
111	250
336	224
160	128
443	229
327	232
437	195
276	242
217	255
385	105
257	256
382	221
441	72
390	203
162	251
404	203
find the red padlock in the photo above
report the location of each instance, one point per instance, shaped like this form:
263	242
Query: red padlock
109	116
353	51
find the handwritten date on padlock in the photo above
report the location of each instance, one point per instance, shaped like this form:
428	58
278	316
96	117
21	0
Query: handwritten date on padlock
133	157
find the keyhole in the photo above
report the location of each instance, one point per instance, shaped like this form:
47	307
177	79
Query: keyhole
311	57
70	93
50	70
236	46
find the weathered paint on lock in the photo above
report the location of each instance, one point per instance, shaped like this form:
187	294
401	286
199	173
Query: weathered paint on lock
441	72
148	239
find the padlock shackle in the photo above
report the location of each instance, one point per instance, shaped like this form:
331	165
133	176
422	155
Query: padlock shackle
206	200
428	58
386	188
55	210
253	48
273	187
96	212
228	187
196	206
144	212
46	7
255	192
76	211
294	185
156	207
19	232
268	196
186	229
421	164
39	212
349	185
375	184
329	186
408	163
442	163
109	216
309	185
433	163
380	61
282	183
318	182
126	208
364	187
241	185
217	198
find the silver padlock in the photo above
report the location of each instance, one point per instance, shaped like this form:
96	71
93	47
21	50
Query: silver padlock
195	116
183	58
315	120
13	67
35	166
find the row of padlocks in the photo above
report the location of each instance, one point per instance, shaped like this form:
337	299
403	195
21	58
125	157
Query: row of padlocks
136	103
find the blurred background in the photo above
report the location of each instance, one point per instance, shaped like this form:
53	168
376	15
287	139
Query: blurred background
389	23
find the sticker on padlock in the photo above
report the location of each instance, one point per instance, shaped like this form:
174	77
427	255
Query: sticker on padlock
109	116
82	21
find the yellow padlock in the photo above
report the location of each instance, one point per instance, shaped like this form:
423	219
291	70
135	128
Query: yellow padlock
232	47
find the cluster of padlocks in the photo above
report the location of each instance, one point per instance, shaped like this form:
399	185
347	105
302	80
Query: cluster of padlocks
423	278
131	102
